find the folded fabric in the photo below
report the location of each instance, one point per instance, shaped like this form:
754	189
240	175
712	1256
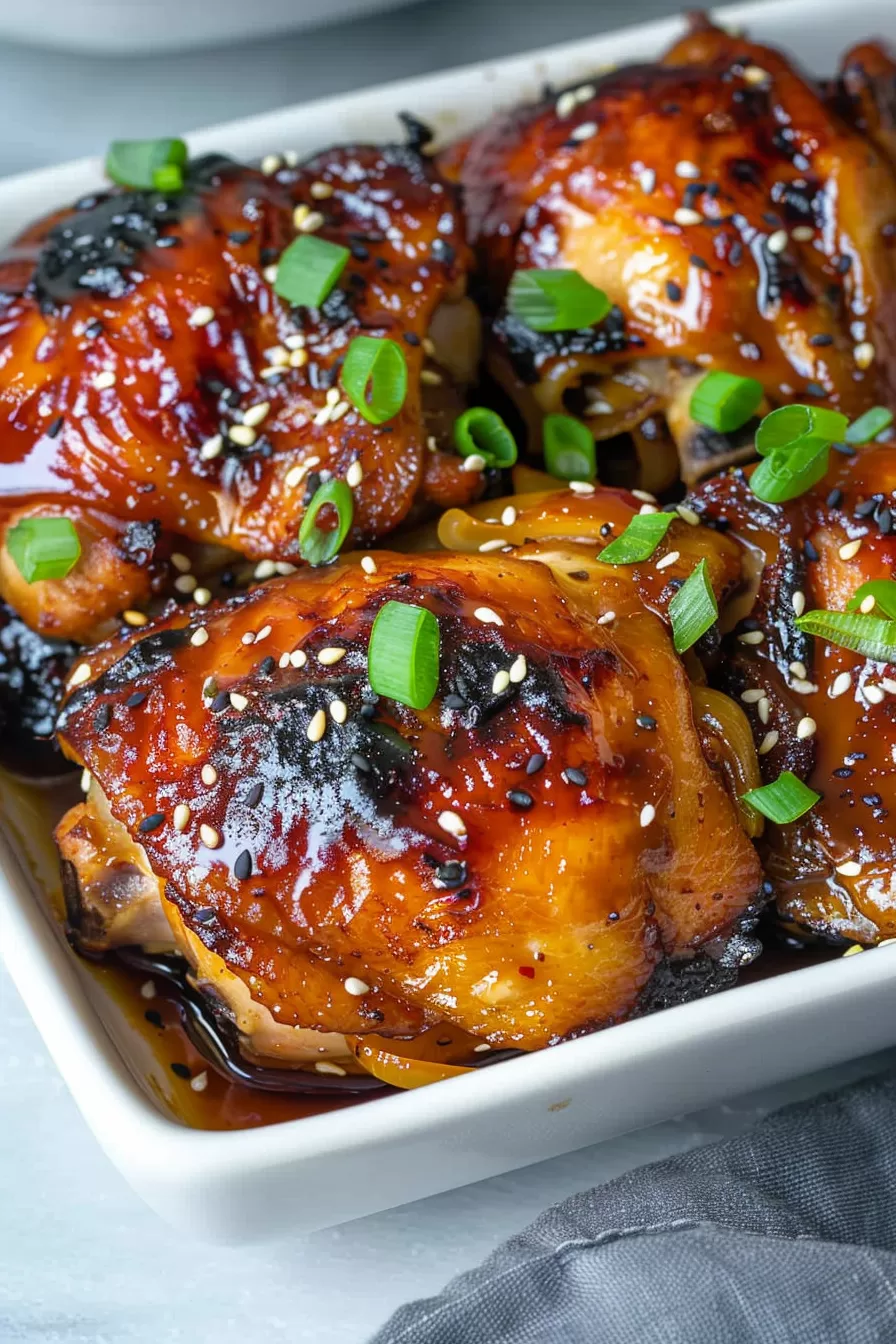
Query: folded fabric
784	1235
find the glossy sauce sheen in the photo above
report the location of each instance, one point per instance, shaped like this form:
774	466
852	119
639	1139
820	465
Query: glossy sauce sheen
110	287
565	902
849	760
727	130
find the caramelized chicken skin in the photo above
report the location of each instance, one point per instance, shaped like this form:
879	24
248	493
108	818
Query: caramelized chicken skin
518	859
819	710
733	216
150	374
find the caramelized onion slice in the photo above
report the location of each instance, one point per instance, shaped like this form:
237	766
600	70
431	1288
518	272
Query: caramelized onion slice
382	1058
727	742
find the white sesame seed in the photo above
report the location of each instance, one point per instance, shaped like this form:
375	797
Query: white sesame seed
500	682
853	949
684	168
685	216
768	742
185	583
148	989
566	103
104	380
313	221
199	637
452	823
209	836
806	727
202	597
244	435
647	181
265	569
479	1049
867	604
841	685
270	273
298	359
283	660
508	516
200	317
798	669
798	602
239	702
754	74
648	812
200	1081
81	674
752	696
849	549
248	638
209	775
317	727
668	559
496	544
356	987
430	377
581	487
339	410
688	515
323	1066
849	869
262	634
181	817
277	354
864	355
584	132
298	658
321	191
368	564
804	687
607	618
294	342
355	475
803	233
474	462
648	508
180	561
751	637
323	415
273	371
487	616
763	709
86	778
134	618
645	496
329	656
211	448
873	694
255	414
338	711
271	163
294	476
518	669
777	241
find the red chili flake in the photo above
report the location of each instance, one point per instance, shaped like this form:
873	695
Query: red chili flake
527	971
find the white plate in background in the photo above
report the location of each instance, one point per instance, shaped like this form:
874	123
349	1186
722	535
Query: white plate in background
325	1169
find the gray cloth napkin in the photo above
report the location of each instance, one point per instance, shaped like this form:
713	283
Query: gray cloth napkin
784	1235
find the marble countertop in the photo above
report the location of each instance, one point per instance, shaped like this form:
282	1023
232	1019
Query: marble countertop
82	1261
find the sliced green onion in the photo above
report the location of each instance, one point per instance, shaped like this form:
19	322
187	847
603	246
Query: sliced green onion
785	475
639	540
555	300
403	656
569	451
871	636
316	545
308	269
151	165
783	801
725	401
793	427
375	377
693	609
869	425
884	593
482	431
43	548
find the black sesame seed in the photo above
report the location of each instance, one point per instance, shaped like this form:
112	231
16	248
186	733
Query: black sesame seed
238	236
181	1070
843	264
367	711
151	823
872	799
94	327
884	520
580	574
220	702
572	775
136	699
519	798
843	772
205	915
453	701
242	867
613	916
698	263
253	797
822	338
54	426
412	338
606	529
267	255
646	721
267	666
360	762
673	291
535	763
815	390
153	1017
809	550
102	718
451	874
835	499
866	507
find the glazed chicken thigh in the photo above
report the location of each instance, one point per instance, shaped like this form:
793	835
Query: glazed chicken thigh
736	217
534	854
155	389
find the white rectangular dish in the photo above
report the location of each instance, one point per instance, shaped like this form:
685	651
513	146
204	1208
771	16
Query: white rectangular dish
324	1169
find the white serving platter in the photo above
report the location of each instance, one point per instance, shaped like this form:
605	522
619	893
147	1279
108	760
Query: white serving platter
321	1170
